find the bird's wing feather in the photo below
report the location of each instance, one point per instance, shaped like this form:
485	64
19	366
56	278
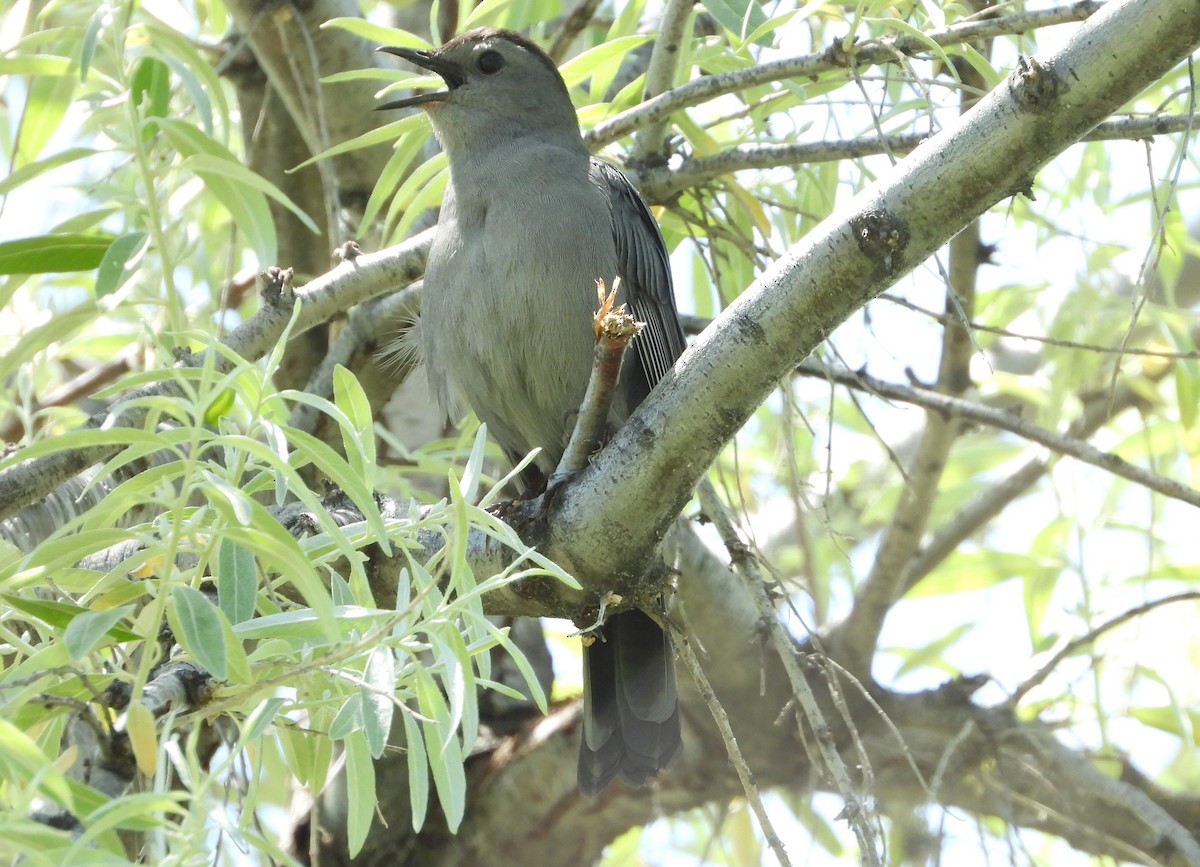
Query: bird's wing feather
645	273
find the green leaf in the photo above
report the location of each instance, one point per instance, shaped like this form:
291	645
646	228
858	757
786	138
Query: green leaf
377	705
208	164
422	190
85	630
53	254
418	770
39	167
35	64
581	67
358	434
45	106
378	34
305	626
348	719
262	716
407	149
245	202
61	327
932	654
23	763
1181	722
150	88
739	17
523	665
60	614
354	485
445	760
220	406
198	627
379	135
964	571
91	37
482	13
1187	392
237	581
111	273
774	24
191	66
360	790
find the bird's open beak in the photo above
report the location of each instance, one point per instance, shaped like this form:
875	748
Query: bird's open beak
449	72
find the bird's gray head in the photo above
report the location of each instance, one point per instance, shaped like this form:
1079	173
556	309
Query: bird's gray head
498	84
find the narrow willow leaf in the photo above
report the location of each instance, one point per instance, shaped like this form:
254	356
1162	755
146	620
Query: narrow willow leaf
378	707
360	791
198	628
111	272
140	725
53	254
237	581
84	631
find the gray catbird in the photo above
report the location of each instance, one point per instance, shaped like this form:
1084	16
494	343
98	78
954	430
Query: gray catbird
530	221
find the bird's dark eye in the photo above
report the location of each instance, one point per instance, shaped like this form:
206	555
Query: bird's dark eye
490	62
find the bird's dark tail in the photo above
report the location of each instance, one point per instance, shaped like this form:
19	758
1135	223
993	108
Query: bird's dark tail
630	704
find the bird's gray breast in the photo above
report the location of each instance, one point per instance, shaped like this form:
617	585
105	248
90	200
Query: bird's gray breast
510	292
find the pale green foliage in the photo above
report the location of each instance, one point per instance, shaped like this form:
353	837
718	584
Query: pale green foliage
148	222
305	657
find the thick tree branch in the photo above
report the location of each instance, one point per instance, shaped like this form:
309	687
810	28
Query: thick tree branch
982	759
886	231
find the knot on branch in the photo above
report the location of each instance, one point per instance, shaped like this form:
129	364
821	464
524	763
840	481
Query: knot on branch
882	238
1034	85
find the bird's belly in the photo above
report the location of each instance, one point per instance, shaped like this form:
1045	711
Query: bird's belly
524	347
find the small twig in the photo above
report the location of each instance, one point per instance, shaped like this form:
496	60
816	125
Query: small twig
614	329
749	786
709	87
662	183
1041	338
1090	636
579	18
82	385
714	509
1056	442
585	633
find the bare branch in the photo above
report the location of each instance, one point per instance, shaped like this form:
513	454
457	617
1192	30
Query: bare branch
661	183
749	786
1090	637
1063	444
1097	411
882	51
902	536
574	24
660	74
785	649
